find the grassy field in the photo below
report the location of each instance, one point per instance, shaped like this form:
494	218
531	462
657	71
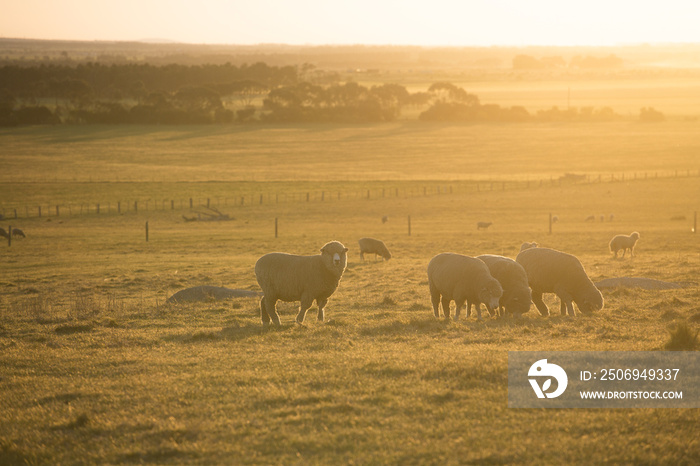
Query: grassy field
96	368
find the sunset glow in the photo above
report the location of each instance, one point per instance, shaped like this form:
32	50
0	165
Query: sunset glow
435	23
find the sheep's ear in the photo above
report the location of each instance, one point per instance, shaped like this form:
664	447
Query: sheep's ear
345	250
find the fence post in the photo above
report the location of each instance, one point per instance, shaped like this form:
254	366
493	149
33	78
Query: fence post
57	213
9	236
172	204
39	211
147	231
275	227
136	206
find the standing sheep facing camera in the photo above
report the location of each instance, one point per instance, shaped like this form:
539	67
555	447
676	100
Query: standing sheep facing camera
516	297
624	242
373	246
289	278
458	278
551	271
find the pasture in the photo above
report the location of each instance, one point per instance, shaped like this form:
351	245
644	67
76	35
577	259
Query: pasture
96	367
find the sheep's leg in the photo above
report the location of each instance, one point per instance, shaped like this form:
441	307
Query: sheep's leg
321	308
306	302
269	312
362	256
541	306
446	307
631	252
623	252
477	305
459	305
435	299
264	316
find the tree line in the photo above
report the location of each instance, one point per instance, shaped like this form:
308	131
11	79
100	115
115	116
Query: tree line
179	94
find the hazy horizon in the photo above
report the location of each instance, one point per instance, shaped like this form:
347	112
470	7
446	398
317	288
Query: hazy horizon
438	23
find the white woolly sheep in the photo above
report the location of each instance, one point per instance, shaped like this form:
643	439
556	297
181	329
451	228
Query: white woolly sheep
551	271
516	298
373	246
624	242
458	278
527	245
289	278
484	225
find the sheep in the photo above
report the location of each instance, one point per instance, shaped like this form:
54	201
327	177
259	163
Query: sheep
527	245
624	242
458	278
552	271
590	218
484	225
16	232
516	297
289	278
555	218
373	246
3	233
385	219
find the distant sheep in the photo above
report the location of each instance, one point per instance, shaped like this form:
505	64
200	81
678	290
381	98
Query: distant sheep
516	298
590	218
373	246
527	245
624	242
462	279
385	219
551	271
3	233
17	233
289	278
483	225
555	218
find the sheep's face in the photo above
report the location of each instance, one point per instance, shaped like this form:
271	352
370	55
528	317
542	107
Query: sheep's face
386	255
335	257
634	236
490	294
591	301
517	302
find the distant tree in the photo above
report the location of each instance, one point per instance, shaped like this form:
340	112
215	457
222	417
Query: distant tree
650	115
526	62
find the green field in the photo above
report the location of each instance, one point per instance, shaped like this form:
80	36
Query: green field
96	368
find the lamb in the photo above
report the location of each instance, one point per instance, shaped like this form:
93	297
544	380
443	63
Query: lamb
373	246
624	242
516	297
289	278
458	278
527	245
484	225
552	271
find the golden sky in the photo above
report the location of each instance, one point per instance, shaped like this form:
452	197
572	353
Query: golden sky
385	22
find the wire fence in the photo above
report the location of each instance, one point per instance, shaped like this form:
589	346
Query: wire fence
251	199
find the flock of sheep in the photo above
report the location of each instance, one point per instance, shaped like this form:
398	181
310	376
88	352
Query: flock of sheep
505	286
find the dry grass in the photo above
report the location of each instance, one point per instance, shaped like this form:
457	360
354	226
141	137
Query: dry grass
98	369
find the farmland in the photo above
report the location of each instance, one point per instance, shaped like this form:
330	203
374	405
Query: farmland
96	367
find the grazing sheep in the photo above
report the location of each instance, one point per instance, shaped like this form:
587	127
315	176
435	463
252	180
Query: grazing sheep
458	278
602	218
16	232
612	217
624	242
373	246
527	245
551	271
3	233
289	278
516	297
484	225
555	218
590	218
385	219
